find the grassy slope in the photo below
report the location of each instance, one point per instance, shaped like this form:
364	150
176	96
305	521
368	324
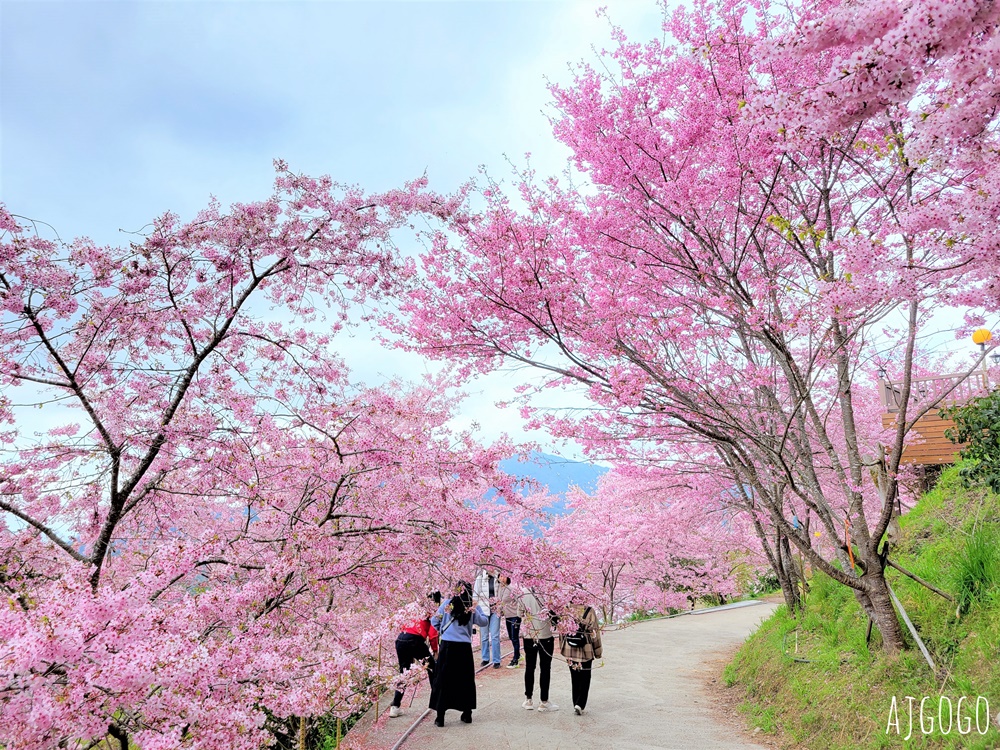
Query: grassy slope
842	698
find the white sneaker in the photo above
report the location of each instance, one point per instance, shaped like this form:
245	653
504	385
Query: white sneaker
579	711
547	706
528	704
395	711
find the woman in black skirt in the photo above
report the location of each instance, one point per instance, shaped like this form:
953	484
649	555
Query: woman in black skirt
455	672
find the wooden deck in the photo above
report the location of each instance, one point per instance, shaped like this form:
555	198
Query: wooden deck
931	447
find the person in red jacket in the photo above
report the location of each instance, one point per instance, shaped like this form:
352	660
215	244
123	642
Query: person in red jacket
418	641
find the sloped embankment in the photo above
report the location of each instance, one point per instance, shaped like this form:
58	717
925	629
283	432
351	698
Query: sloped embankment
814	683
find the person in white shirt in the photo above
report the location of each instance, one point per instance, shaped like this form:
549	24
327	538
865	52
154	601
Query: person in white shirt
486	590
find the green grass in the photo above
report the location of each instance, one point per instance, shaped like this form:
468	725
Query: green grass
976	571
840	697
321	732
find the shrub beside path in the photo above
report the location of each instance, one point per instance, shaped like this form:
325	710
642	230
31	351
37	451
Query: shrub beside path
650	693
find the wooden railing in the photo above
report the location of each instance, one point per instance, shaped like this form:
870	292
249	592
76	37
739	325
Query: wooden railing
956	388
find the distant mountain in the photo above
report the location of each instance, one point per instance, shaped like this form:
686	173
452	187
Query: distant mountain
556	473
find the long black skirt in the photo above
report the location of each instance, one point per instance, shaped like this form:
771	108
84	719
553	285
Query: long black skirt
454	678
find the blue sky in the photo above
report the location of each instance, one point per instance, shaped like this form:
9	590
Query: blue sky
113	112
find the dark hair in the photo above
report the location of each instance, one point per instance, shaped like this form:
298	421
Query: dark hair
435	596
461	604
506	580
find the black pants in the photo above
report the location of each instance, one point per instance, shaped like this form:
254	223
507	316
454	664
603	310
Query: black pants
580	680
411	648
514	633
542	651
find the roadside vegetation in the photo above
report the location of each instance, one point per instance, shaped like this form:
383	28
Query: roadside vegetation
814	682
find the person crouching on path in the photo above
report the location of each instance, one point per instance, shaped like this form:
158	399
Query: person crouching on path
580	649
509	608
538	646
454	683
417	642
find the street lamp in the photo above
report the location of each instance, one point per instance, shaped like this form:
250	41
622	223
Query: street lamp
982	336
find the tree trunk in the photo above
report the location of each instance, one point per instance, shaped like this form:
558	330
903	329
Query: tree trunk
120	735
788	562
783	565
877	603
791	594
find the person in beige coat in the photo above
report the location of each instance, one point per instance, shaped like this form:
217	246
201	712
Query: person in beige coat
580	649
538	646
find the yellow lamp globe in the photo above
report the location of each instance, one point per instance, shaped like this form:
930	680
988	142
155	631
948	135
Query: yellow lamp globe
981	336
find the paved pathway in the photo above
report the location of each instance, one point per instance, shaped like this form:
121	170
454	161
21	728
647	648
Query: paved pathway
650	693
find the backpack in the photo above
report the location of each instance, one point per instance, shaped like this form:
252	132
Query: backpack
581	637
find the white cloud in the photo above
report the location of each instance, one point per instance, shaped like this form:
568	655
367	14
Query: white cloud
115	112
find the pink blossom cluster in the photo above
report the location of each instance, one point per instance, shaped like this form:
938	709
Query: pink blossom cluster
776	198
654	540
220	526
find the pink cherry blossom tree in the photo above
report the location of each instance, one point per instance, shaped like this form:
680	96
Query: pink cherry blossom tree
723	279
651	540
216	528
